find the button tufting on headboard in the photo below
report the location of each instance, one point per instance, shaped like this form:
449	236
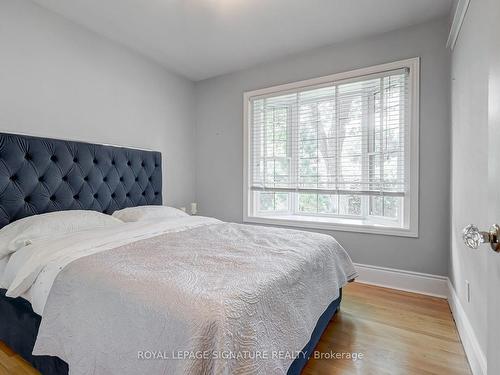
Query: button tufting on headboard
39	175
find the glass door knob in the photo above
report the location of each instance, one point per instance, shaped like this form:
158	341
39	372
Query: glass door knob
473	237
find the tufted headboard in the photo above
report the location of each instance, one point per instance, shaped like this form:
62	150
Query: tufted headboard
39	175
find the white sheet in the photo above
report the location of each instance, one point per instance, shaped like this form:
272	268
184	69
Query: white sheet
3	264
32	270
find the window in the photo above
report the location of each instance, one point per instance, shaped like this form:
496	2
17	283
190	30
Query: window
337	152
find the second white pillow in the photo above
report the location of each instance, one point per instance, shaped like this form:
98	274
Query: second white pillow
141	213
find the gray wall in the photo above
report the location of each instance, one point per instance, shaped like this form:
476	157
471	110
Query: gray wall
60	80
219	139
469	182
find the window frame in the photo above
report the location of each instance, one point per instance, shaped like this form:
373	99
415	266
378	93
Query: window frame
341	222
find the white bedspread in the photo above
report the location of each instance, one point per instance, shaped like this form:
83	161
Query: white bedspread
194	296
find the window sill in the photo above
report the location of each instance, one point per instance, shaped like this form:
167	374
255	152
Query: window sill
336	224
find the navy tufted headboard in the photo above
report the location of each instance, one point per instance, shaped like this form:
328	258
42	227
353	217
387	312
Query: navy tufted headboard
39	175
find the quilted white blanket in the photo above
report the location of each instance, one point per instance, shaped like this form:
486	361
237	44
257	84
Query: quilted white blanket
216	299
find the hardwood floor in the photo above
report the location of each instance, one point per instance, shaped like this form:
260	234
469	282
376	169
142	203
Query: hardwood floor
12	364
396	333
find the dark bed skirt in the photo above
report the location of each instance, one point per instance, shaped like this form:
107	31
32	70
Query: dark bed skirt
19	328
299	363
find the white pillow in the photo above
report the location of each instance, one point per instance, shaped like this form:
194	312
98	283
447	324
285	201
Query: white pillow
23	232
141	213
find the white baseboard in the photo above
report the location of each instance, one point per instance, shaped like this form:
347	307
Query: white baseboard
475	355
431	285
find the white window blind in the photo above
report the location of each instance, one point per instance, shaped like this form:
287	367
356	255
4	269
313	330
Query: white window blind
342	138
337	148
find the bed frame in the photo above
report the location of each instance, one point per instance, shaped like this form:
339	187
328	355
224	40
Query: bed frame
40	175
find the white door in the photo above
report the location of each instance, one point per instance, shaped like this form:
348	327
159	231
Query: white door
493	308
491	238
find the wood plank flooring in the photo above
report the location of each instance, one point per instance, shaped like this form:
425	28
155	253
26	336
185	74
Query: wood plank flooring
395	332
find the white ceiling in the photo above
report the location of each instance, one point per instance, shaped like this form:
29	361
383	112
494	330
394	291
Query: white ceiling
205	38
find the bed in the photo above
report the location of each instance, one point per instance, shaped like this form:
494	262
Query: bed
237	265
